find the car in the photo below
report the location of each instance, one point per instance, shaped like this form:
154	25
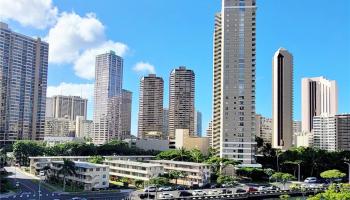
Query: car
240	190
180	187
165	188
214	192
252	189
310	180
272	187
262	188
150	189
146	196
225	191
198	193
185	194
166	196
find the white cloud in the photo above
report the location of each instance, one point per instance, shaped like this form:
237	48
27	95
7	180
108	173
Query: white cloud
85	90
84	65
37	13
144	67
72	34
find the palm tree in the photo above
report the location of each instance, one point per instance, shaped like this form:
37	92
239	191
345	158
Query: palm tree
182	153
68	168
176	175
196	155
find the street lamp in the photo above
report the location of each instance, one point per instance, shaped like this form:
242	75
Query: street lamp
298	172
348	170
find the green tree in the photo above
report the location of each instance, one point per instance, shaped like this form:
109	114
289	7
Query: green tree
158	181
96	159
3	158
196	155
332	174
282	178
176	175
67	169
23	149
334	193
222	179
284	197
139	183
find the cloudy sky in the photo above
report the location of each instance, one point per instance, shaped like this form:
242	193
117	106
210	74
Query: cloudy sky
154	36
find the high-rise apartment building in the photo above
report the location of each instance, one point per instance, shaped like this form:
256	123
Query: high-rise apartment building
264	128
343	131
198	124
66	107
83	127
324	132
59	127
150	123
296	127
181	100
282	99
234	80
165	123
209	133
125	114
107	97
23	83
319	97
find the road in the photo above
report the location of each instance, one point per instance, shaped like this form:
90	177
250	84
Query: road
29	190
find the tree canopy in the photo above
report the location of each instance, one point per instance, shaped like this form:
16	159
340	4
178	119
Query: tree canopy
332	174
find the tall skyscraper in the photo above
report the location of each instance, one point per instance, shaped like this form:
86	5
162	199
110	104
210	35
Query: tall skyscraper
198	124
107	97
282	99
125	114
181	100
23	83
150	122
234	80
165	123
68	107
343	131
83	127
319	96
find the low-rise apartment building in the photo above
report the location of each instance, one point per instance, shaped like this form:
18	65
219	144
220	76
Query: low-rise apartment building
89	175
195	173
133	170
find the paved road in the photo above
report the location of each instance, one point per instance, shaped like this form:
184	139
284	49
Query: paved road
29	187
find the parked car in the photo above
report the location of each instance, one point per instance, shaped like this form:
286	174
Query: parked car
185	194
240	190
310	180
252	189
165	188
180	187
41	173
226	191
198	193
272	187
146	196
262	188
166	196
214	192
150	189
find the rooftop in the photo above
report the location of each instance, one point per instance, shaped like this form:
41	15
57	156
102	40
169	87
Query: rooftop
135	163
179	162
86	165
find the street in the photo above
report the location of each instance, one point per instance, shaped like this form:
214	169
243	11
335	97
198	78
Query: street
29	190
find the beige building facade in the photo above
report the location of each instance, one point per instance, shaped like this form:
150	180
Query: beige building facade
282	99
183	139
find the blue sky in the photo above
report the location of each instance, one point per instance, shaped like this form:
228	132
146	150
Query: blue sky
166	34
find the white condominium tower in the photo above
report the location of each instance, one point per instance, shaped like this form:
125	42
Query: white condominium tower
181	100
282	99
150	123
68	107
107	97
318	96
234	81
23	82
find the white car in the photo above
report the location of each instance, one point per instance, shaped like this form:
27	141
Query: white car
166	196
310	180
41	173
262	188
150	189
165	188
198	193
213	192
